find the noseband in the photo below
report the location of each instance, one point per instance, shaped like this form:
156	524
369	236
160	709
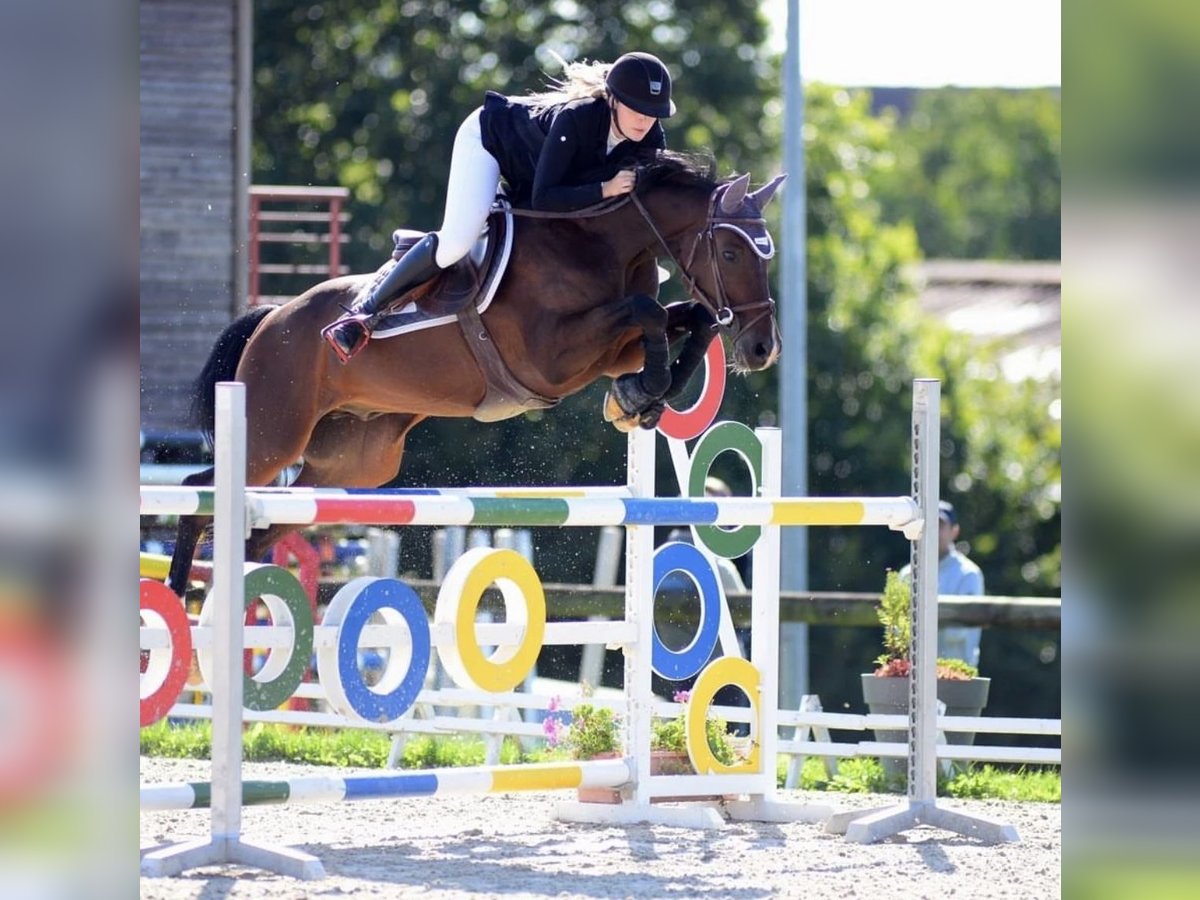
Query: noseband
720	308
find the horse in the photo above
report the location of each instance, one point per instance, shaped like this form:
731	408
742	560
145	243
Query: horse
576	302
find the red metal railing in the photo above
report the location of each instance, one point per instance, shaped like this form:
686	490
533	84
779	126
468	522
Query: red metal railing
299	221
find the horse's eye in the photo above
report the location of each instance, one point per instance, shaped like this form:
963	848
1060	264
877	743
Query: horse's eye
729	255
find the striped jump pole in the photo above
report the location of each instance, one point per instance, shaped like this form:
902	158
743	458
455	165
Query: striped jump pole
338	507
607	773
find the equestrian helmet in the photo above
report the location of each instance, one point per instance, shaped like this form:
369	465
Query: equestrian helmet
642	82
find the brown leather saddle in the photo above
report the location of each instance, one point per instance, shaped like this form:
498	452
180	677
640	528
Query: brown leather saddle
459	286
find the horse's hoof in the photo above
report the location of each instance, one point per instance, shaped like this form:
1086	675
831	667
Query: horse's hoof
621	420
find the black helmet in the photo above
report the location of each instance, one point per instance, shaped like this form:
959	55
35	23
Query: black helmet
642	82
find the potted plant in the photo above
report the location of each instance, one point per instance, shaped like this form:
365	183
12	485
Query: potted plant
595	733
668	742
885	690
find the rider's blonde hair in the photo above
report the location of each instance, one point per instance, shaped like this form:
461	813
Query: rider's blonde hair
579	81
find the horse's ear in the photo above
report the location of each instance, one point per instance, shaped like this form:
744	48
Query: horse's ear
764	194
731	200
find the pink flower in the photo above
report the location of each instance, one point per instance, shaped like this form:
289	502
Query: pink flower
552	725
682	696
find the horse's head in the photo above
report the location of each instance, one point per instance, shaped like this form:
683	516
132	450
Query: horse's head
732	281
723	253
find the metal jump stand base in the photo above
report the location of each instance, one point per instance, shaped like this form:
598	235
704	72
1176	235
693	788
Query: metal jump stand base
868	826
703	814
175	858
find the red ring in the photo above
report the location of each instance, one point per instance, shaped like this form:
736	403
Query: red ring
158	598
689	423
36	665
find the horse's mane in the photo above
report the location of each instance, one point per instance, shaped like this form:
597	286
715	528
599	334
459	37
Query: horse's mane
672	167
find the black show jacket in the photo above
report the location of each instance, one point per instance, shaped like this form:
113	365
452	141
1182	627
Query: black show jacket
555	159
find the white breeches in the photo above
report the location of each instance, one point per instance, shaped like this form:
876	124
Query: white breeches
474	178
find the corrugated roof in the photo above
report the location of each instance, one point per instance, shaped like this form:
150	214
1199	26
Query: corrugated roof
1017	302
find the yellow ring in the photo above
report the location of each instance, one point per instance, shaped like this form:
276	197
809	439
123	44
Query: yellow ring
727	670
524	602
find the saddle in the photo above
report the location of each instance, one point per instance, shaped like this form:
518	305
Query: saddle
461	294
469	282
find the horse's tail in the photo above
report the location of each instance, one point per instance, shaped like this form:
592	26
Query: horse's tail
222	366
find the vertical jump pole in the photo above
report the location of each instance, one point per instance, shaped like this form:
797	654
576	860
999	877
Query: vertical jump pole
639	611
225	844
764	804
921	806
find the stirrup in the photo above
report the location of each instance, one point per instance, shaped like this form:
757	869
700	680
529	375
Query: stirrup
362	334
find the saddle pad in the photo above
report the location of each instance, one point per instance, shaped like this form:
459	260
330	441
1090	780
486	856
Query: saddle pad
411	317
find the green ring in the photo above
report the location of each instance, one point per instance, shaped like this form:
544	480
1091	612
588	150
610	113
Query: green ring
721	437
278	582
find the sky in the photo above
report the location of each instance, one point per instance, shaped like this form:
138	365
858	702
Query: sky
926	43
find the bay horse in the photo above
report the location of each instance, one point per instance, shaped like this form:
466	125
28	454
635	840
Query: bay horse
576	303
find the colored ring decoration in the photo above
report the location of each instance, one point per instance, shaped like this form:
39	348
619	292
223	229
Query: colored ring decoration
683	425
742	674
41	714
284	669
737	438
167	671
349	612
525	607
676	665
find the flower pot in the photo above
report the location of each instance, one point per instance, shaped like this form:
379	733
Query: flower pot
889	696
600	794
662	762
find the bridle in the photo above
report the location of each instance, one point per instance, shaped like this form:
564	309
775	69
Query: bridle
720	307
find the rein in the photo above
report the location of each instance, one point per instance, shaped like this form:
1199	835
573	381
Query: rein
722	311
720	308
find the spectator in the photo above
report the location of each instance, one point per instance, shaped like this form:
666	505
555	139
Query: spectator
957	575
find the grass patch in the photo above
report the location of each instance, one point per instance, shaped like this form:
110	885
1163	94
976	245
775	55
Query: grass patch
1037	784
361	748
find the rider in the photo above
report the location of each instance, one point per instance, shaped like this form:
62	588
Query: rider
561	150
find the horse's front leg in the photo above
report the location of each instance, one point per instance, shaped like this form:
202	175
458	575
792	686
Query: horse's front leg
699	327
634	395
686	320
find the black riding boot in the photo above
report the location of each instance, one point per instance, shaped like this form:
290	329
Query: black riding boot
349	334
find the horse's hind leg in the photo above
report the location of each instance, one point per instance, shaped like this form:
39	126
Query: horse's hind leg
187	536
344	452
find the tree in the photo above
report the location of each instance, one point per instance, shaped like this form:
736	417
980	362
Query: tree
979	173
370	96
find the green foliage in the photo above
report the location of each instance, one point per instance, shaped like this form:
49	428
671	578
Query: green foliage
429	752
593	730
338	747
1030	784
671	734
979	174
1000	452
344	748
370	96
191	741
1035	784
895	615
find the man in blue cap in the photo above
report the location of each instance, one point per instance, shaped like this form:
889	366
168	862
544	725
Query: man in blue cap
957	576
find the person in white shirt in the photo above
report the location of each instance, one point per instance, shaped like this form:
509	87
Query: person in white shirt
957	575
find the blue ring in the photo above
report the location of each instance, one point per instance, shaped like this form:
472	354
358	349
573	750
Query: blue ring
677	665
392	594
